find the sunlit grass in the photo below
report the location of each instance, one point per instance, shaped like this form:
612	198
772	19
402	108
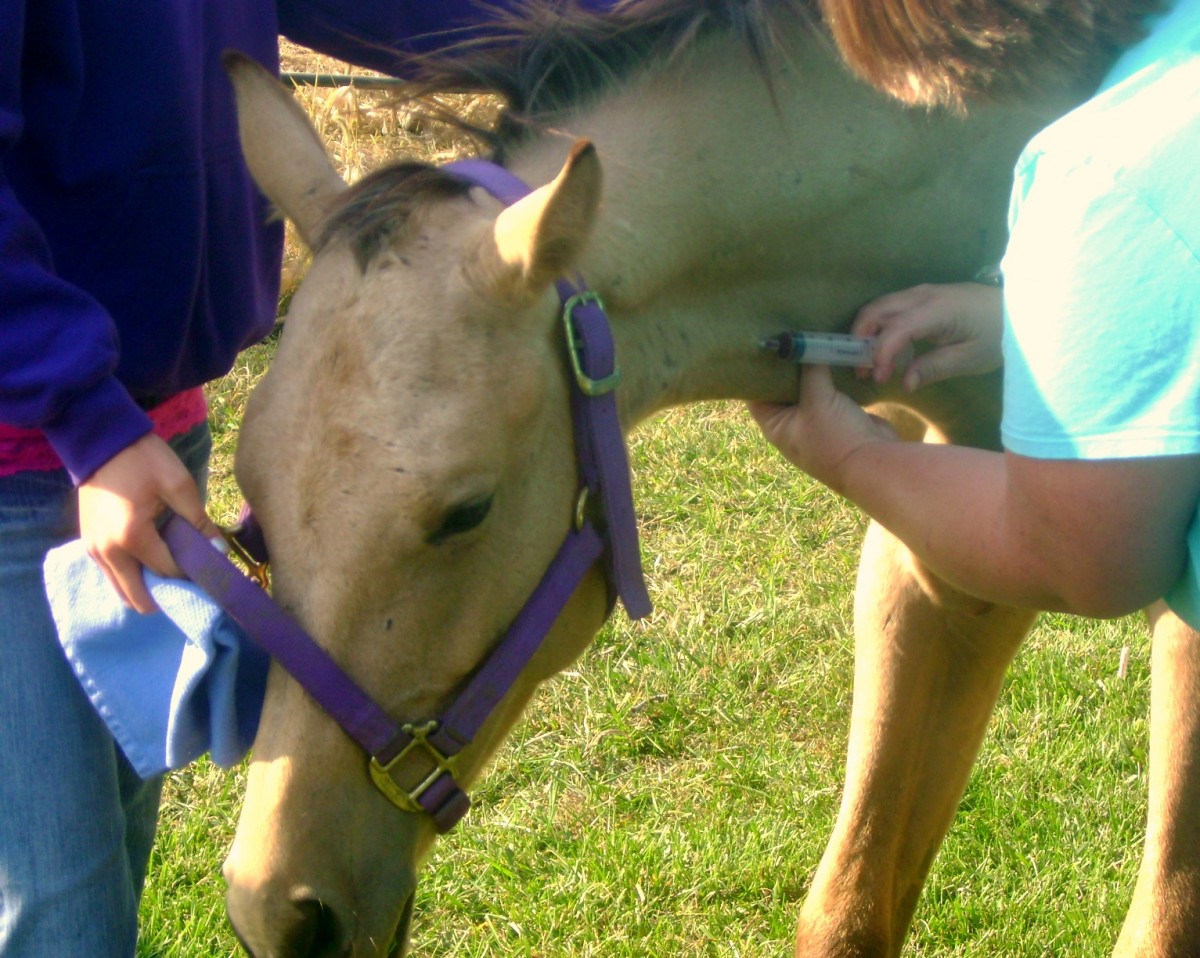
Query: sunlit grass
672	793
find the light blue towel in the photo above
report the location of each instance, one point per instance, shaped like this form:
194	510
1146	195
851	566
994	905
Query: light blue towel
170	686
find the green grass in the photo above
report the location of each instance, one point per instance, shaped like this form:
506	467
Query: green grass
672	793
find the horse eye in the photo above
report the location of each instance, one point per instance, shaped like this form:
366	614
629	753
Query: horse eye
462	519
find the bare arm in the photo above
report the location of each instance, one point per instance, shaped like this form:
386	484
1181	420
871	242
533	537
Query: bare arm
1094	537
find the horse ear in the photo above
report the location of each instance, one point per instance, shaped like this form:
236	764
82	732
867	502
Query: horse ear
283	151
543	234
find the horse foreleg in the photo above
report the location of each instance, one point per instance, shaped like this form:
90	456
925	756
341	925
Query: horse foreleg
1164	919
929	663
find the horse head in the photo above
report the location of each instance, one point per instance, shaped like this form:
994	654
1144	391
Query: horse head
409	456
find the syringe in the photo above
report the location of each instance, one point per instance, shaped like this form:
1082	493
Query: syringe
827	349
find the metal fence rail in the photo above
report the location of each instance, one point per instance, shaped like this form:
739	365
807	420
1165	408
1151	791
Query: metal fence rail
342	79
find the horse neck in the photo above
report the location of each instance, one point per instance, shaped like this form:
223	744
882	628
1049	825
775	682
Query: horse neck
734	208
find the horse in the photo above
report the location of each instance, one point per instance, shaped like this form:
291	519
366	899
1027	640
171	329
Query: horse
712	174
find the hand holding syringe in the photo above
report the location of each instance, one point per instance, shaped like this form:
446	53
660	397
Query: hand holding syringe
960	323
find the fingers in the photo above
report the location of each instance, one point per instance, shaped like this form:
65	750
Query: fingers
184	500
119	507
962	322
815	433
774	419
122	566
905	305
764	412
945	363
896	321
816	386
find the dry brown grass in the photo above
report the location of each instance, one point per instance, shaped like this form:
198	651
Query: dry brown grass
365	129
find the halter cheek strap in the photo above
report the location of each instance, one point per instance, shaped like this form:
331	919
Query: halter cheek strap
599	442
414	763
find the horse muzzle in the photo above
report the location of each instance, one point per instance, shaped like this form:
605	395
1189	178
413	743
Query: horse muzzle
304	923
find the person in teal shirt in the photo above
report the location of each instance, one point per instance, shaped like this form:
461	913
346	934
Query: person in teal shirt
1092	507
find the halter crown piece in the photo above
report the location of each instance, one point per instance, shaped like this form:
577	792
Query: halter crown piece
414	763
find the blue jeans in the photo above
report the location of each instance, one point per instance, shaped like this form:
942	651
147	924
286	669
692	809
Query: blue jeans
76	822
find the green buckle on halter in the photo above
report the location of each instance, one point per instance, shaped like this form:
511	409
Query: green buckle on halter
258	571
408	800
589	386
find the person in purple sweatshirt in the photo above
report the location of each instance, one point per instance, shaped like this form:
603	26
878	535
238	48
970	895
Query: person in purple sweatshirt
136	260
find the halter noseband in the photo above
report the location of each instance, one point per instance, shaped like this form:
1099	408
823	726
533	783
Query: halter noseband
426	752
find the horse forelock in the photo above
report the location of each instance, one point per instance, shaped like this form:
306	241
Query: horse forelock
545	57
377	211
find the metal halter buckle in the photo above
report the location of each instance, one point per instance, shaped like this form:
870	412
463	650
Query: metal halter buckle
587	385
258	571
408	800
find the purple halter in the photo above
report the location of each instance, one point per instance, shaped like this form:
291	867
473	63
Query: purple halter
414	763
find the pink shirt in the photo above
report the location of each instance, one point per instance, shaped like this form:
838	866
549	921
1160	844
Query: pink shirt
26	450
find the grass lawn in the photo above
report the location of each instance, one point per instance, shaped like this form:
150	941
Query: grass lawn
671	795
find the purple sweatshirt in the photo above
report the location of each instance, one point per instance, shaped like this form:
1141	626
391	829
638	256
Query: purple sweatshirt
136	258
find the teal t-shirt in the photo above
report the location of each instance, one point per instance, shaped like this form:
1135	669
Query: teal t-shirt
1102	272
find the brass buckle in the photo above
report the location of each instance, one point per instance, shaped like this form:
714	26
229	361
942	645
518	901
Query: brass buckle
589	386
258	571
408	800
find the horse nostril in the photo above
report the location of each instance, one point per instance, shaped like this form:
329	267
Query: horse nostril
313	930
